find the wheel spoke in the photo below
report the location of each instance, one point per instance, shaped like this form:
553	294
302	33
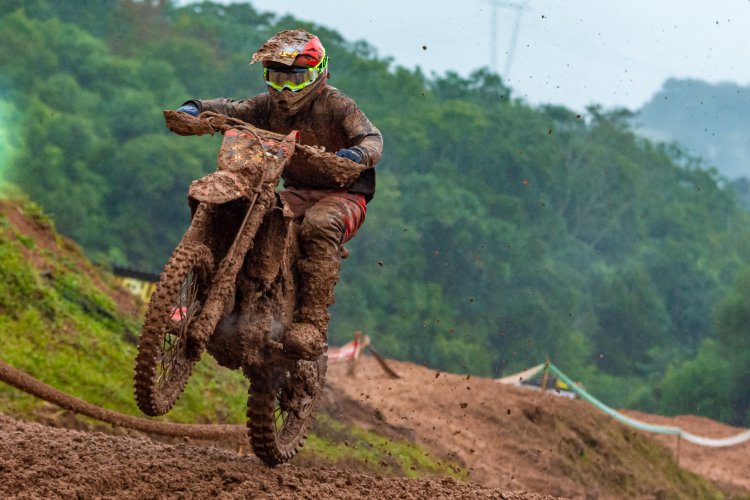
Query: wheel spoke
281	409
280	418
174	339
162	364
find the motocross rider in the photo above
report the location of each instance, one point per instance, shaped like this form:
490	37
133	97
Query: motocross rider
295	69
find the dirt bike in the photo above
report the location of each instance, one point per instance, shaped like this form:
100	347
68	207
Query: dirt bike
230	286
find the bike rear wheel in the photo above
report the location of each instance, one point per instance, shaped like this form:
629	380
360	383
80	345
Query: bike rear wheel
166	355
281	409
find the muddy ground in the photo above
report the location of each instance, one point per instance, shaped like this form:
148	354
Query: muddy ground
514	443
44	462
516	438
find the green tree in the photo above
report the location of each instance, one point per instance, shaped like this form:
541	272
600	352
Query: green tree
733	332
701	386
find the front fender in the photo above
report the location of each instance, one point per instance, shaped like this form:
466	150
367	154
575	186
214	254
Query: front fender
217	188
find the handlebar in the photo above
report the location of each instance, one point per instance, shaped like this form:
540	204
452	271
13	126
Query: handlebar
328	169
209	122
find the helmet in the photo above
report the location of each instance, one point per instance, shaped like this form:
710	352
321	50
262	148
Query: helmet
292	59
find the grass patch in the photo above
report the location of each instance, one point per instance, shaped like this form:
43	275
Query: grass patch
58	326
596	452
343	444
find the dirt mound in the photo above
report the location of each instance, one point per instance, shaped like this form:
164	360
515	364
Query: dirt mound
42	462
515	438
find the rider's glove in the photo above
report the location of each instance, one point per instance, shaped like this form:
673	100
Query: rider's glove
350	154
190	109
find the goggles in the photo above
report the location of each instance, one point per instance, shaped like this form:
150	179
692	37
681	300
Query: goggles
293	78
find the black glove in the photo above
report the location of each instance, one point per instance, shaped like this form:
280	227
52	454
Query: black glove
350	154
189	108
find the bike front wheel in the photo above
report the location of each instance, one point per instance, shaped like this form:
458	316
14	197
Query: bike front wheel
166	355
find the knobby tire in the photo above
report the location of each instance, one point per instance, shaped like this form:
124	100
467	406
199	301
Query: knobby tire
166	355
276	438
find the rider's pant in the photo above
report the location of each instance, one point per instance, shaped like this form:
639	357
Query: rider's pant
331	218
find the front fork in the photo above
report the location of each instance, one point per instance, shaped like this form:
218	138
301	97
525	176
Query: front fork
200	219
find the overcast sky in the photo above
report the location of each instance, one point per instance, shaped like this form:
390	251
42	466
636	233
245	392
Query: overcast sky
571	52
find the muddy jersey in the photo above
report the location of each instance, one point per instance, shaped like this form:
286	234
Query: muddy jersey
333	121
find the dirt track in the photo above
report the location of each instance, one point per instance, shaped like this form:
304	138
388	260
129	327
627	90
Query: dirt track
514	438
43	462
510	440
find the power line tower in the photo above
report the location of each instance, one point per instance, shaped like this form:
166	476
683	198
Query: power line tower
518	8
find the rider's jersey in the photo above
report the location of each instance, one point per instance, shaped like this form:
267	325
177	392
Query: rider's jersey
332	120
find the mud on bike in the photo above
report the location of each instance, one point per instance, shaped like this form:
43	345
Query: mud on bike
230	286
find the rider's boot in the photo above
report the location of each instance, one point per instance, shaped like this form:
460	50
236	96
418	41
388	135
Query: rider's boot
306	336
